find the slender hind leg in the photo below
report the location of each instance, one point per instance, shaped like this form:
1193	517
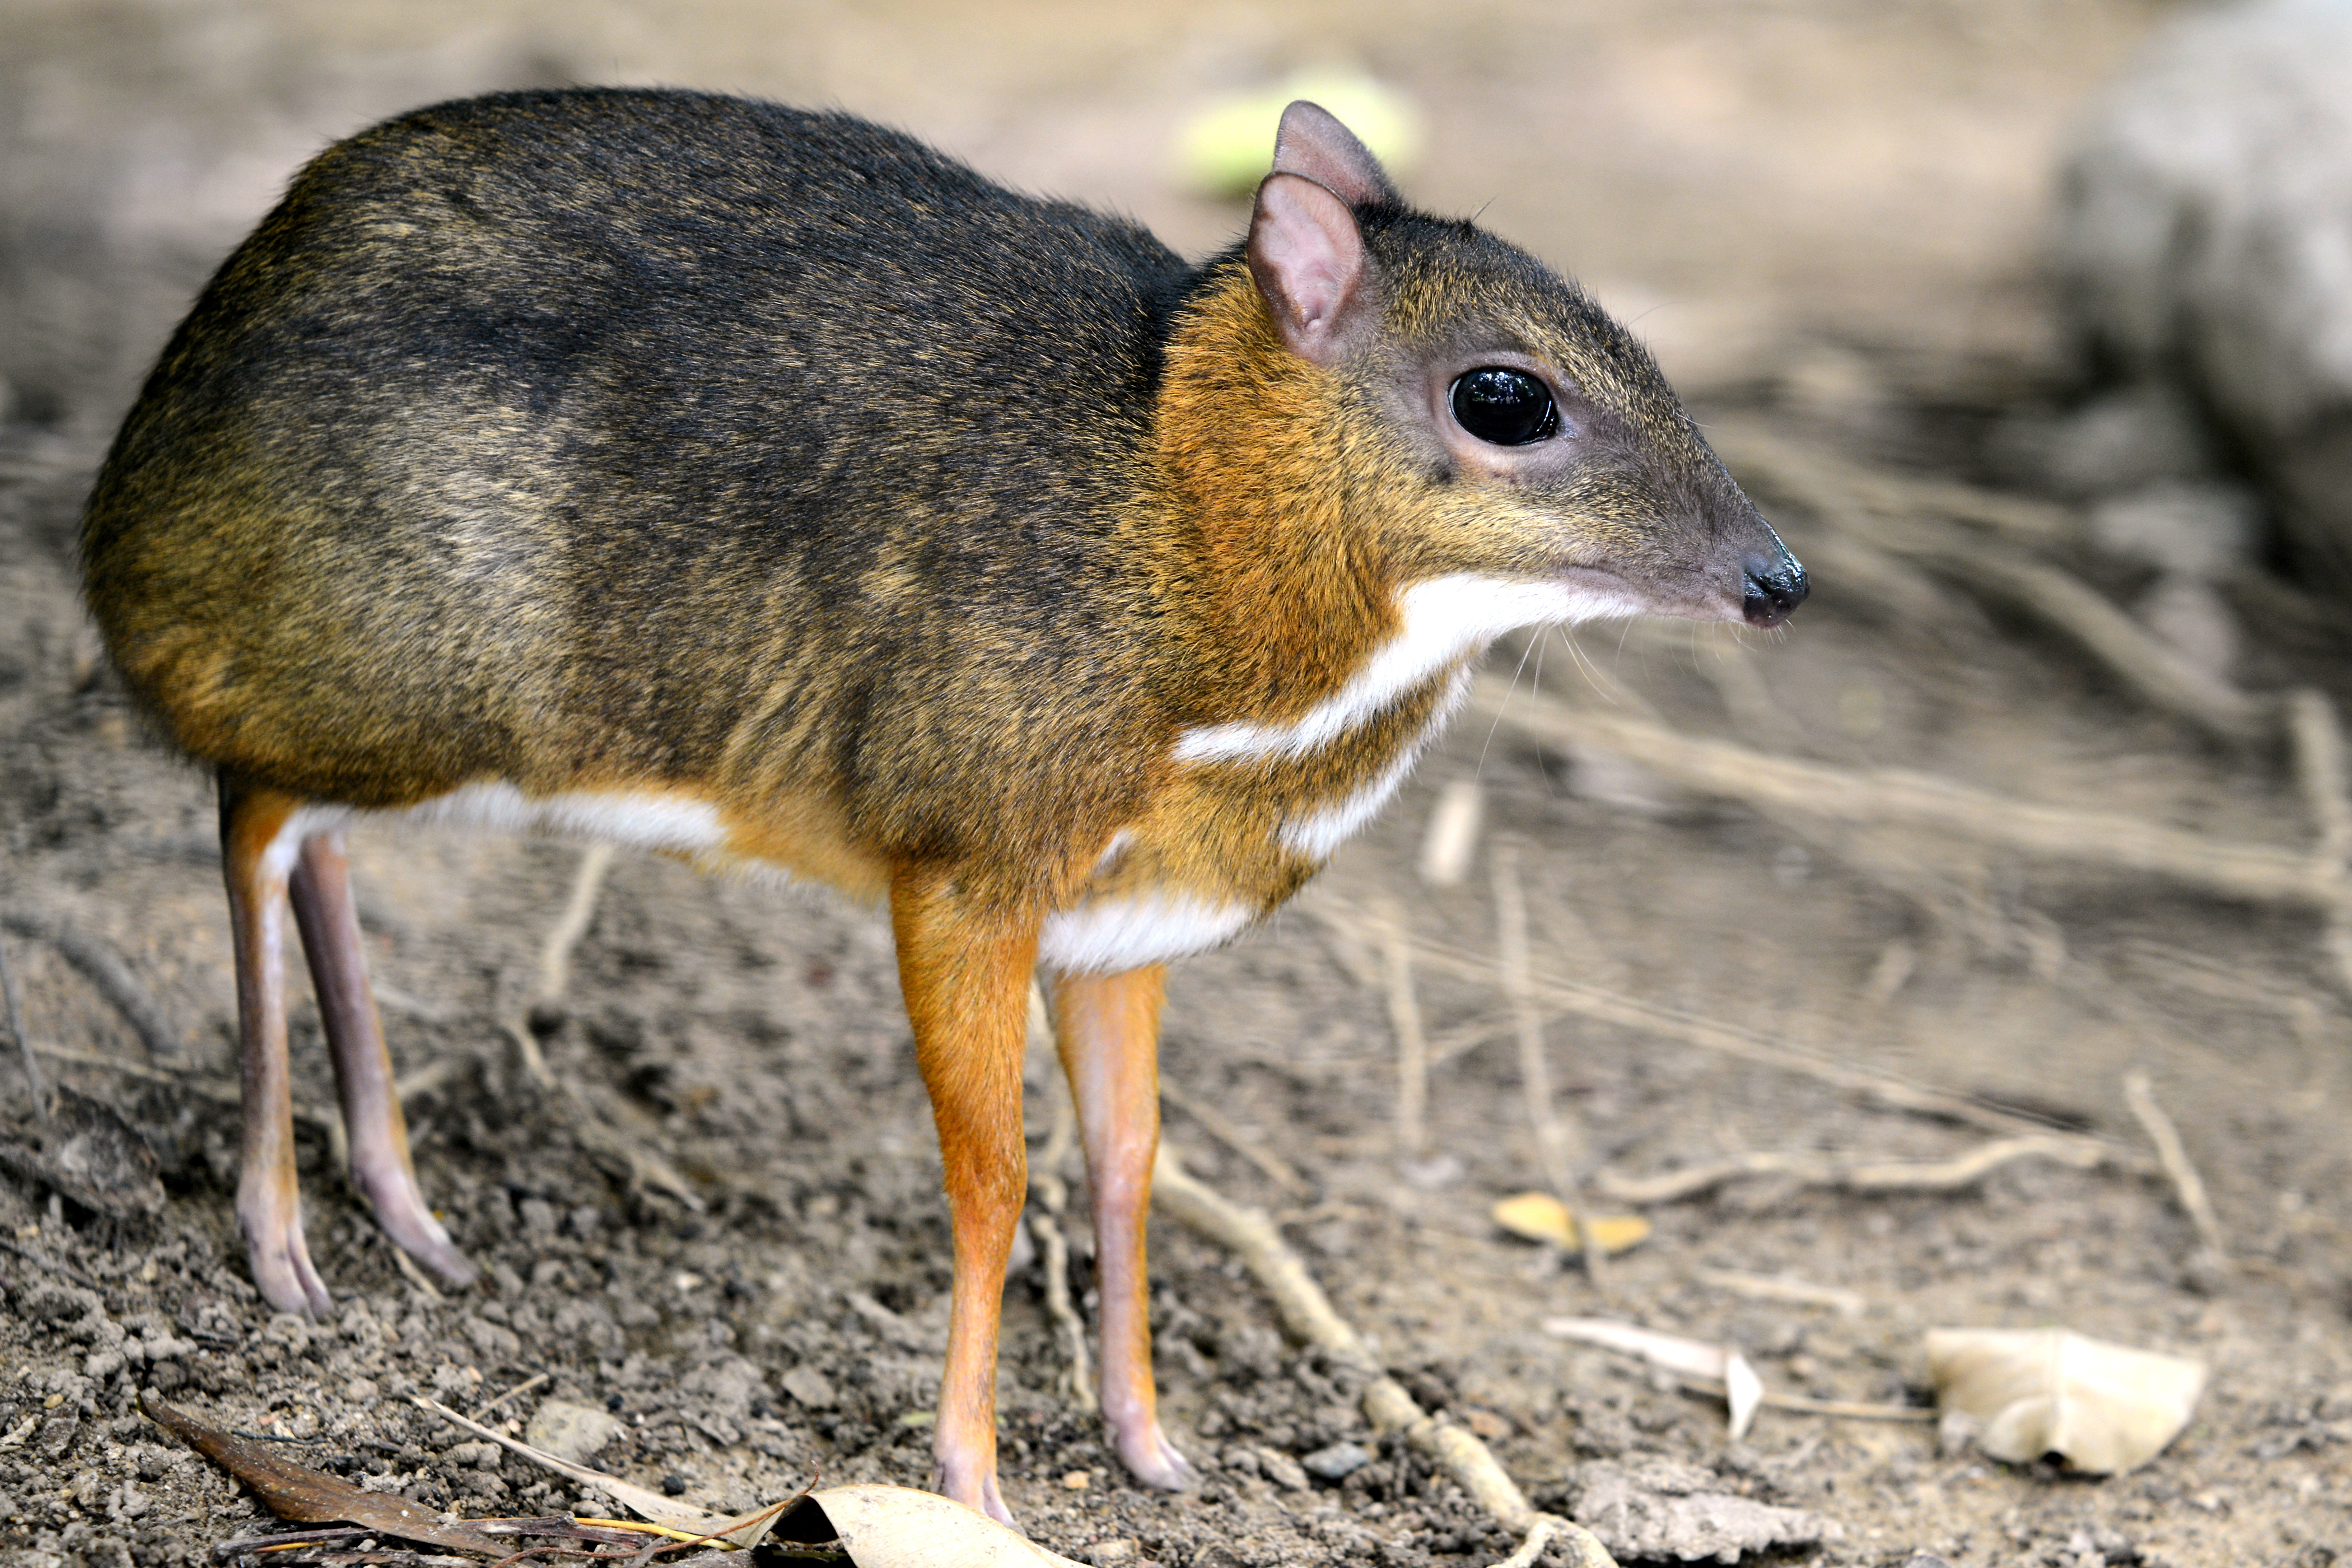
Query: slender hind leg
257	855
1107	1028
966	979
378	1133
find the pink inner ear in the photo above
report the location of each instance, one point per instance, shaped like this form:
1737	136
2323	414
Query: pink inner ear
1312	142
1309	260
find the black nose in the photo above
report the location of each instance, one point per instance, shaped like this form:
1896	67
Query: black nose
1776	586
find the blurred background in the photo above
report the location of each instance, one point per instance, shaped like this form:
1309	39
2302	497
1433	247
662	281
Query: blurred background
1765	187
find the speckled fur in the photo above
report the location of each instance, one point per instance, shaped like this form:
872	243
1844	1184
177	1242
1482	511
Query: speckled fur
654	442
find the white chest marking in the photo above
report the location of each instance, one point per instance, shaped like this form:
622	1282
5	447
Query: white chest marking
652	821
1319	834
1111	935
618	817
1445	620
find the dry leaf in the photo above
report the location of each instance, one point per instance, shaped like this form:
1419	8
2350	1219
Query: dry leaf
896	1527
1689	1358
2104	1408
311	1497
1540	1217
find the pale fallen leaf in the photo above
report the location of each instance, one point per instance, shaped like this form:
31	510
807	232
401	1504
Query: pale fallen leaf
2104	1408
1540	1217
896	1527
1685	1357
1742	1389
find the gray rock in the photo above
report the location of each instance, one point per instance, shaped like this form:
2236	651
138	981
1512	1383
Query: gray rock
2205	237
1337	1462
809	1387
1663	1511
1282	1470
573	1432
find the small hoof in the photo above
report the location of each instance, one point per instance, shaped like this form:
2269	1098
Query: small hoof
1151	1459
280	1262
977	1492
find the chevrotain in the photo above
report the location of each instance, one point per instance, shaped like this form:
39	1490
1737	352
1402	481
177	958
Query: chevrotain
765	487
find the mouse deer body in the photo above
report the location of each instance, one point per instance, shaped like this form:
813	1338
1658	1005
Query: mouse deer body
767	489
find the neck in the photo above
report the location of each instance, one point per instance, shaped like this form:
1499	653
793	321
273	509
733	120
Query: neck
1266	553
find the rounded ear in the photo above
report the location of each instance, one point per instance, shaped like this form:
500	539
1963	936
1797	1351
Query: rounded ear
1314	143
1309	260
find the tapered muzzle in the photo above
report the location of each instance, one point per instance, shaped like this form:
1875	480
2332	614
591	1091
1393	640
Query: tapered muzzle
1777	584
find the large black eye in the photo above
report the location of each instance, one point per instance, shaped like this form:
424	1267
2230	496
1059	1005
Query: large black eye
1509	408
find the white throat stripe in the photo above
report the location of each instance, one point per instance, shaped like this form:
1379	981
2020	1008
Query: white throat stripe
1445	620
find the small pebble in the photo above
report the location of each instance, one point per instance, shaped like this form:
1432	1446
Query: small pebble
673	1484
1337	1462
1076	1481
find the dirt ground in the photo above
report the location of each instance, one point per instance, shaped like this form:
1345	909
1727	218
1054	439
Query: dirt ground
1825	215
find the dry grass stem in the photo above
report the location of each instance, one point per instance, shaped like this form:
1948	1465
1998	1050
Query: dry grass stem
1808	470
1251	1237
1404	1020
519	1389
1452	837
2140	1095
1559	1142
1882	510
1774	1288
23	1042
1632	1012
1857	1176
578	910
1532	1549
2321	767
108	971
594	1133
1045	1184
1896	796
555	958
408	1265
1225	1130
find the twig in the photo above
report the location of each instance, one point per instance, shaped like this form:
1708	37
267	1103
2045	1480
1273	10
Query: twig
555	955
2256	873
555	959
1404	1021
1877	1176
594	1133
214	1087
1770	1287
1531	1549
107	970
672	1512
1309	1313
1217	1125
1452	835
24	1041
1633	1013
2140	1095
525	1386
1559	1142
1052	1197
1817	472
2320	766
1879	508
415	1274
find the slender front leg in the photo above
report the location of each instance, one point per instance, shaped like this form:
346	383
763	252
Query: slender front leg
257	854
966	979
377	1131
1107	1028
